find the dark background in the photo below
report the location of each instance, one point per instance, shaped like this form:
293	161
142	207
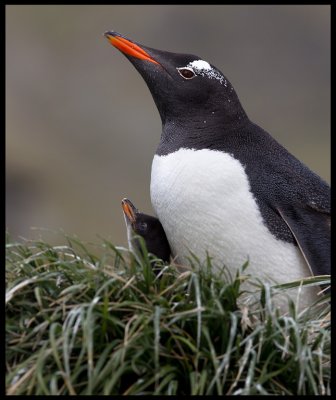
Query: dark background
82	128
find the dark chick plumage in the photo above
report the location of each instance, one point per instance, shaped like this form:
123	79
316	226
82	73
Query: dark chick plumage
202	114
149	228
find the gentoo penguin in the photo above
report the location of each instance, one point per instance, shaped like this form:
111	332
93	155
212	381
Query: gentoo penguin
149	228
220	183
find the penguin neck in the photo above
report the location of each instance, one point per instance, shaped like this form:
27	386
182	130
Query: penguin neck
202	130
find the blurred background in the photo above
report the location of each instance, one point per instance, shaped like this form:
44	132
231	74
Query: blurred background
81	125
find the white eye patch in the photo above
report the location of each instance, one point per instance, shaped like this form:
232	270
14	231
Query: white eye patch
200	65
203	68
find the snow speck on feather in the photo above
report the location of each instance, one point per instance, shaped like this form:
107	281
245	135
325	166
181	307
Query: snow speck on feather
200	65
203	68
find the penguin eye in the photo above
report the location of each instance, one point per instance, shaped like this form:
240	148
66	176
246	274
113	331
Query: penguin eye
186	72
142	227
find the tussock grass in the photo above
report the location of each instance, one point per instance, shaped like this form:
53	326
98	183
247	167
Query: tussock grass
81	324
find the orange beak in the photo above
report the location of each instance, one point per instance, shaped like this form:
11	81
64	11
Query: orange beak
128	210
128	47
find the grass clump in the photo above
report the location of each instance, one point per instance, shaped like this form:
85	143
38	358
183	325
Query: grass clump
80	324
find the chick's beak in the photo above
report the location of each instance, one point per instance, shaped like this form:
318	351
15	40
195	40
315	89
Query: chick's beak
129	210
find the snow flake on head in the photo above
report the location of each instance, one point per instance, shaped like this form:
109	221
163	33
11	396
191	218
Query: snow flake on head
203	68
199	65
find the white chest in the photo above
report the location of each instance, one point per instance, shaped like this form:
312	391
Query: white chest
204	202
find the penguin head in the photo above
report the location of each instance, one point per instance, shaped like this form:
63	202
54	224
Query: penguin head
182	84
136	222
146	226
